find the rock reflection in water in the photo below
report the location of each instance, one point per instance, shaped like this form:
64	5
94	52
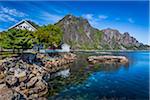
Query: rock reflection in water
64	73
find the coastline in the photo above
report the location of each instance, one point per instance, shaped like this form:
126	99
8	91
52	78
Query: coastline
26	76
110	50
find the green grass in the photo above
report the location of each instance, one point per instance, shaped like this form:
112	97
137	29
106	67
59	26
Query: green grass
98	36
81	30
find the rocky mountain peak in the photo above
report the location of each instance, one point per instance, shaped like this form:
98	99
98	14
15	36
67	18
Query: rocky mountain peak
77	31
71	19
126	34
81	35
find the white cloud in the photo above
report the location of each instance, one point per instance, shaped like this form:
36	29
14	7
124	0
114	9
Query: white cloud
50	17
6	18
7	14
102	17
130	20
57	11
95	21
12	12
88	16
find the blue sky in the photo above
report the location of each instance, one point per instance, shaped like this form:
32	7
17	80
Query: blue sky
126	16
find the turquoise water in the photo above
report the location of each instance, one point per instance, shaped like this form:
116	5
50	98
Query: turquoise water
106	81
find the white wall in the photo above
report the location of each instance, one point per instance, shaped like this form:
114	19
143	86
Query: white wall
24	26
65	47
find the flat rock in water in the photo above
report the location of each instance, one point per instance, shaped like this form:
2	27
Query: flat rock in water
107	59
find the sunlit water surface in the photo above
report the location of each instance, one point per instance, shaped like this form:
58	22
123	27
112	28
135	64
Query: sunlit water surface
83	81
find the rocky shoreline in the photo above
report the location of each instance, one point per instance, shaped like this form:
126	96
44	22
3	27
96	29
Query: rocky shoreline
25	77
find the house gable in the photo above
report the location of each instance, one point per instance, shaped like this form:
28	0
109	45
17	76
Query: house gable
24	25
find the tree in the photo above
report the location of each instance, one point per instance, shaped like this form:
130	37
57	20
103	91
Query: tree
16	39
48	35
23	39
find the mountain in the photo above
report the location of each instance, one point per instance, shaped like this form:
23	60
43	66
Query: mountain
113	39
81	35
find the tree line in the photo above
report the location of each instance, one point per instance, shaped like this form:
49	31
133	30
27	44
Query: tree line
23	39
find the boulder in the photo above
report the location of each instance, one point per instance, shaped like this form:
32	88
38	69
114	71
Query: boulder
25	92
21	75
2	86
22	86
6	93
1	67
31	76
2	81
32	82
41	87
9	94
11	80
34	71
12	70
33	97
18	96
2	76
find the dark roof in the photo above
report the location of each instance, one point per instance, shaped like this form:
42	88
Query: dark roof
28	21
33	23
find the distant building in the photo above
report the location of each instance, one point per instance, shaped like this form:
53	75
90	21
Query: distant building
31	26
65	47
25	25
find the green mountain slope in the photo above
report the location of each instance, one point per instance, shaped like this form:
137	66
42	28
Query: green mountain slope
81	35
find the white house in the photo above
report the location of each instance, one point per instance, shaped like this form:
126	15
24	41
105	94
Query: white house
24	25
65	47
28	25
